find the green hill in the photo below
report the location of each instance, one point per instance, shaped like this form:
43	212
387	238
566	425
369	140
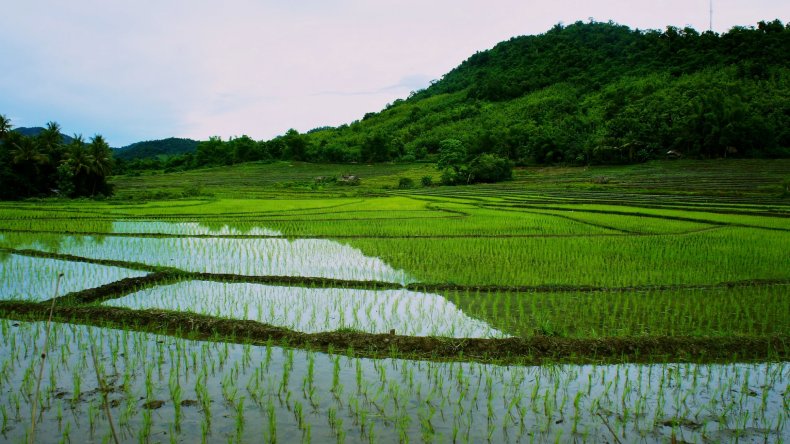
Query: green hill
592	93
36	130
154	148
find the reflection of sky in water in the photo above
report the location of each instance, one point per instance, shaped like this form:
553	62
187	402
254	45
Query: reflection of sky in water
187	228
32	278
252	257
652	403
316	309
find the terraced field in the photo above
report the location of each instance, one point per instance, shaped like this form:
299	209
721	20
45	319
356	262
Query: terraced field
651	305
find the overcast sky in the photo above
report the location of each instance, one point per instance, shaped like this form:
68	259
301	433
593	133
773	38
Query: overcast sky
150	69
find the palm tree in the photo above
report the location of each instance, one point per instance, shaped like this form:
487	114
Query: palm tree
77	156
101	156
101	164
5	126
80	165
25	152
27	162
51	141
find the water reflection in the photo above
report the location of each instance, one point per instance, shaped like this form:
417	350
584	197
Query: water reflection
253	257
313	310
33	279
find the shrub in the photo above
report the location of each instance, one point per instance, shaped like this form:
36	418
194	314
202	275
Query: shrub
405	183
490	168
450	176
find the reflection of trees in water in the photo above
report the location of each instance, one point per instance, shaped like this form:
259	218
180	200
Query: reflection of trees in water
216	225
53	242
242	227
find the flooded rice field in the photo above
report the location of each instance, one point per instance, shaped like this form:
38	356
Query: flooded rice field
165	389
312	310
33	279
251	257
152	381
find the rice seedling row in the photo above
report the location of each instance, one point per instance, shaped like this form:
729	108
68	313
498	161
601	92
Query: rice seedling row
162	388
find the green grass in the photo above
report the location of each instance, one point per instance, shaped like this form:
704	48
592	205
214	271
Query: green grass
722	255
712	312
267	180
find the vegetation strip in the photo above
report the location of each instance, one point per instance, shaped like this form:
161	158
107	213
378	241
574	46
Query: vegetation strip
617	196
535	350
625	213
115	289
590	288
126	286
248	218
72	258
620	233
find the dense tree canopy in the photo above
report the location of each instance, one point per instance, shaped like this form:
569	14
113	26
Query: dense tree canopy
44	165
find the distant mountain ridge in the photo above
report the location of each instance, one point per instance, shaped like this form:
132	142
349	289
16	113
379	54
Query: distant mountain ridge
153	148
170	146
36	130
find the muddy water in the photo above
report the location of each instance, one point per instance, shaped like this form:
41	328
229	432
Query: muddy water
252	394
312	310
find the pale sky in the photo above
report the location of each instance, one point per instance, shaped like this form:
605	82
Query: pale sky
150	69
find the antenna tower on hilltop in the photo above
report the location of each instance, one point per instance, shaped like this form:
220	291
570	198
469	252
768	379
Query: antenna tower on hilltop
710	20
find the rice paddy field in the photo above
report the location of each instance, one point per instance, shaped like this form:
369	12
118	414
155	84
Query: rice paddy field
635	304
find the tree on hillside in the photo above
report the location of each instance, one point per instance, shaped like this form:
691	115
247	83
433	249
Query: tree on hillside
452	154
211	153
375	148
459	166
244	149
489	168
295	145
452	162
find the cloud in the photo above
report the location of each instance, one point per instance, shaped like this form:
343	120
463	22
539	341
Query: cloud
406	84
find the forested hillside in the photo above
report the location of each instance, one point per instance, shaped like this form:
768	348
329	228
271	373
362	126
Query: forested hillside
153	148
594	93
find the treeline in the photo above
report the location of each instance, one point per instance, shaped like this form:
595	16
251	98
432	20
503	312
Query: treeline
217	152
43	165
